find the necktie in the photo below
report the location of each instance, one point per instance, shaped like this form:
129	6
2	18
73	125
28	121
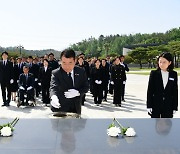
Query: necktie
26	77
4	63
70	80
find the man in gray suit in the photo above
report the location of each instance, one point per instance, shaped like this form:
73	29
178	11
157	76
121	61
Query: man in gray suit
68	84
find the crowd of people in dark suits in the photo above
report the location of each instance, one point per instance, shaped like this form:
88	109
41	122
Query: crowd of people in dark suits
64	83
32	76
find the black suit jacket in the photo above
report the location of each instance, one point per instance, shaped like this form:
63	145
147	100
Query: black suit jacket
53	64
159	98
118	74
34	69
60	84
45	77
20	69
26	83
6	72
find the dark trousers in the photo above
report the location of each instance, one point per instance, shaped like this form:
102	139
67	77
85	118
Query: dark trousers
98	93
123	91
45	94
83	99
6	86
37	87
30	95
111	89
161	114
105	90
117	93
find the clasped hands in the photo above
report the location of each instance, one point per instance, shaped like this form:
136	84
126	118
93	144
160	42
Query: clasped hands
22	88
98	81
71	93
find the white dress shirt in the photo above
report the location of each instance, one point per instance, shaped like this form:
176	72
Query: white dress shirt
165	76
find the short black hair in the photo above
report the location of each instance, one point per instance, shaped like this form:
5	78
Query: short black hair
30	57
4	53
97	60
51	54
168	57
68	53
82	54
46	60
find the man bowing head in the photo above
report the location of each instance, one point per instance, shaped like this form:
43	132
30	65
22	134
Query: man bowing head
68	84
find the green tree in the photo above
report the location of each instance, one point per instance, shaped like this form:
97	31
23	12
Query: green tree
139	54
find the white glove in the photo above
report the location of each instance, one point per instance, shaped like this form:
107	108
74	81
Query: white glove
71	93
39	84
36	79
22	88
124	82
100	82
55	101
17	81
112	82
174	111
96	81
29	88
11	81
149	110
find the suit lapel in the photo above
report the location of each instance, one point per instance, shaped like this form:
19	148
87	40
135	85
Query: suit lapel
160	79
76	77
168	83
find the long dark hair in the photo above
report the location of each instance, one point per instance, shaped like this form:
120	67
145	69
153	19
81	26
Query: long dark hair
168	57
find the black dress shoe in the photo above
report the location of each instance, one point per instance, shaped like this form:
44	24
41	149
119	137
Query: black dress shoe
3	105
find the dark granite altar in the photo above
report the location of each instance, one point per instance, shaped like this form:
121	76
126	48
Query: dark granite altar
88	136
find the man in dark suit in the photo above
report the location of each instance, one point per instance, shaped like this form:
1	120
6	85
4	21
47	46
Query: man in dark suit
68	84
20	65
53	63
6	78
122	58
26	85
106	78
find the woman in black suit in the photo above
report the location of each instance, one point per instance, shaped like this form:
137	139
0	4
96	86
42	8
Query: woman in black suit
44	79
162	93
117	77
14	85
97	77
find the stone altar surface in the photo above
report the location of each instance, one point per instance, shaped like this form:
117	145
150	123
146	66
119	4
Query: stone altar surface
88	136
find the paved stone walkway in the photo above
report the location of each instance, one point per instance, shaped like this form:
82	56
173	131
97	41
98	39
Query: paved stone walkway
134	107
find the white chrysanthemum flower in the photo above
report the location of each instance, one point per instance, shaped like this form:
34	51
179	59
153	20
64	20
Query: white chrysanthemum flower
113	131
6	131
130	132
